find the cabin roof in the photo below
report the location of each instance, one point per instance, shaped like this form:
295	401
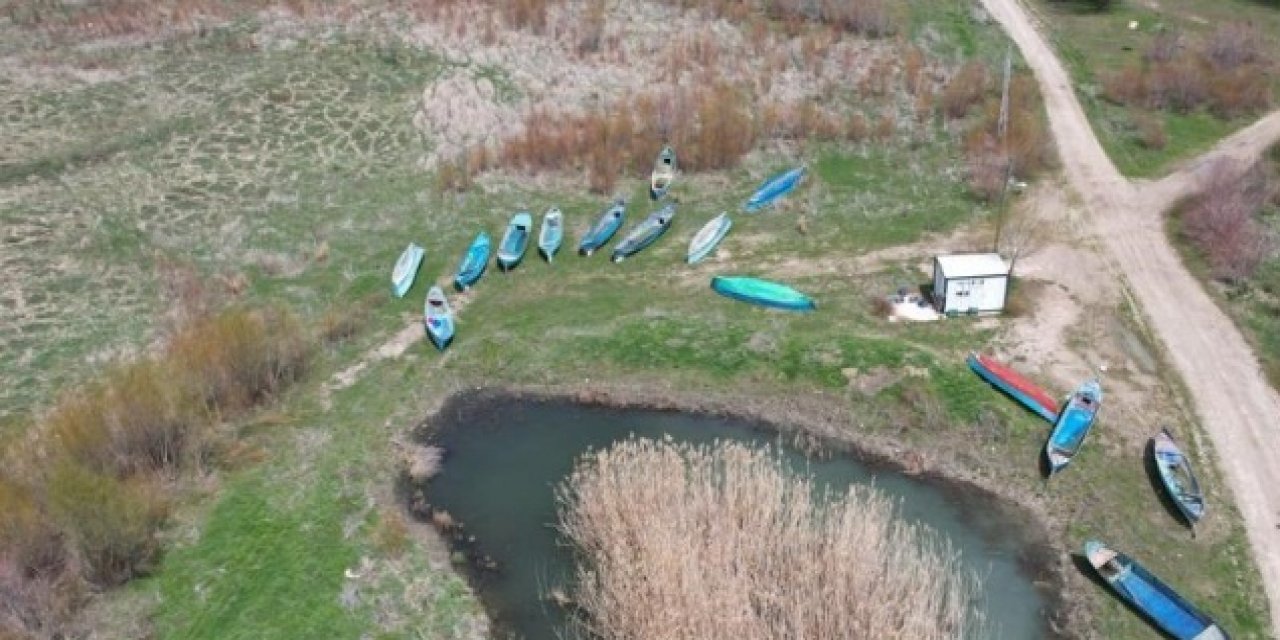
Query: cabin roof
971	265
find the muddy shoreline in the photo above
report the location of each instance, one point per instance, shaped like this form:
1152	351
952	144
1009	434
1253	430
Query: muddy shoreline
817	421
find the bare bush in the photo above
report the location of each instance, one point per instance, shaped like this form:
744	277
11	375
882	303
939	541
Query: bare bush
1151	133
1222	222
1166	46
966	89
1233	45
722	541
1177	86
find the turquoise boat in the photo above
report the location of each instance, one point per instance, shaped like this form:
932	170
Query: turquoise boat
1177	477
437	318
762	292
708	237
604	228
1074	422
515	241
406	269
551	234
645	233
473	263
1157	601
774	188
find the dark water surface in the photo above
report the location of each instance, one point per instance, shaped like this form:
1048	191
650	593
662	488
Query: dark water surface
504	456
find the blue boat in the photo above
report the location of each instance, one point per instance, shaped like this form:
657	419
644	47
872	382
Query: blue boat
1151	596
515	241
473	263
1073	424
774	188
604	228
406	269
437	317
645	233
1176	476
708	237
552	233
762	292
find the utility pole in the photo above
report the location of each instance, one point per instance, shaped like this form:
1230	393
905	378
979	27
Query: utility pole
1002	131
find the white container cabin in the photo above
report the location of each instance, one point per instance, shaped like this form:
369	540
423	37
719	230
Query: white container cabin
970	283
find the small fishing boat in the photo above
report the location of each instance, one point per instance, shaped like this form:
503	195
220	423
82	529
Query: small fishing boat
1073	425
1176	476
515	241
406	269
604	228
1015	385
708	237
473	262
645	233
774	188
1151	596
664	173
762	292
551	234
437	317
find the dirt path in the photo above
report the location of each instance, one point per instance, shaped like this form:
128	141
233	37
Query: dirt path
1232	398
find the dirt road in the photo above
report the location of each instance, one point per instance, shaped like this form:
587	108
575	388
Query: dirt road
1238	409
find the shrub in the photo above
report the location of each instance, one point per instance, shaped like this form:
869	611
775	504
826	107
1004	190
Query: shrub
28	540
722	542
1238	91
1221	223
108	522
239	357
1179	86
1151	134
966	89
1166	46
1233	45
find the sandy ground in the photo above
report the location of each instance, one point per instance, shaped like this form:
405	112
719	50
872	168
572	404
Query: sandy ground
1233	401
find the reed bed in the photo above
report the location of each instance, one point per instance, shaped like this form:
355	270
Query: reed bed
723	541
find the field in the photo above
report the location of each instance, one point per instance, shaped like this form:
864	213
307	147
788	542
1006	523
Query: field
275	158
1099	44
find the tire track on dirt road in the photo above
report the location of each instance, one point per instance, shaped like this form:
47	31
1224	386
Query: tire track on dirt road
1233	401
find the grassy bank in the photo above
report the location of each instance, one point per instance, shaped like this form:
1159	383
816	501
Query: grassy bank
1099	48
279	165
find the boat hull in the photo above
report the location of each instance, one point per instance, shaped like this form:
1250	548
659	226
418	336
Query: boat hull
773	189
1015	385
707	238
1177	477
604	229
645	233
515	241
406	269
473	264
762	292
551	236
437	318
1150	596
664	173
1074	423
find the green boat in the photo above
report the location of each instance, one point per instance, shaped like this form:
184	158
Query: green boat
762	292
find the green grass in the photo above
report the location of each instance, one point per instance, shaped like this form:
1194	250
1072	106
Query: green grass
245	161
1094	43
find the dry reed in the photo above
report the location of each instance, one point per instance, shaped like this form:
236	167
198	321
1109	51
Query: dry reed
722	541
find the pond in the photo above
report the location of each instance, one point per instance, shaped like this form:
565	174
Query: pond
505	455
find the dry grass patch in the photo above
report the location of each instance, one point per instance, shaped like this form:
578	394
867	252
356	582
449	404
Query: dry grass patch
722	541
